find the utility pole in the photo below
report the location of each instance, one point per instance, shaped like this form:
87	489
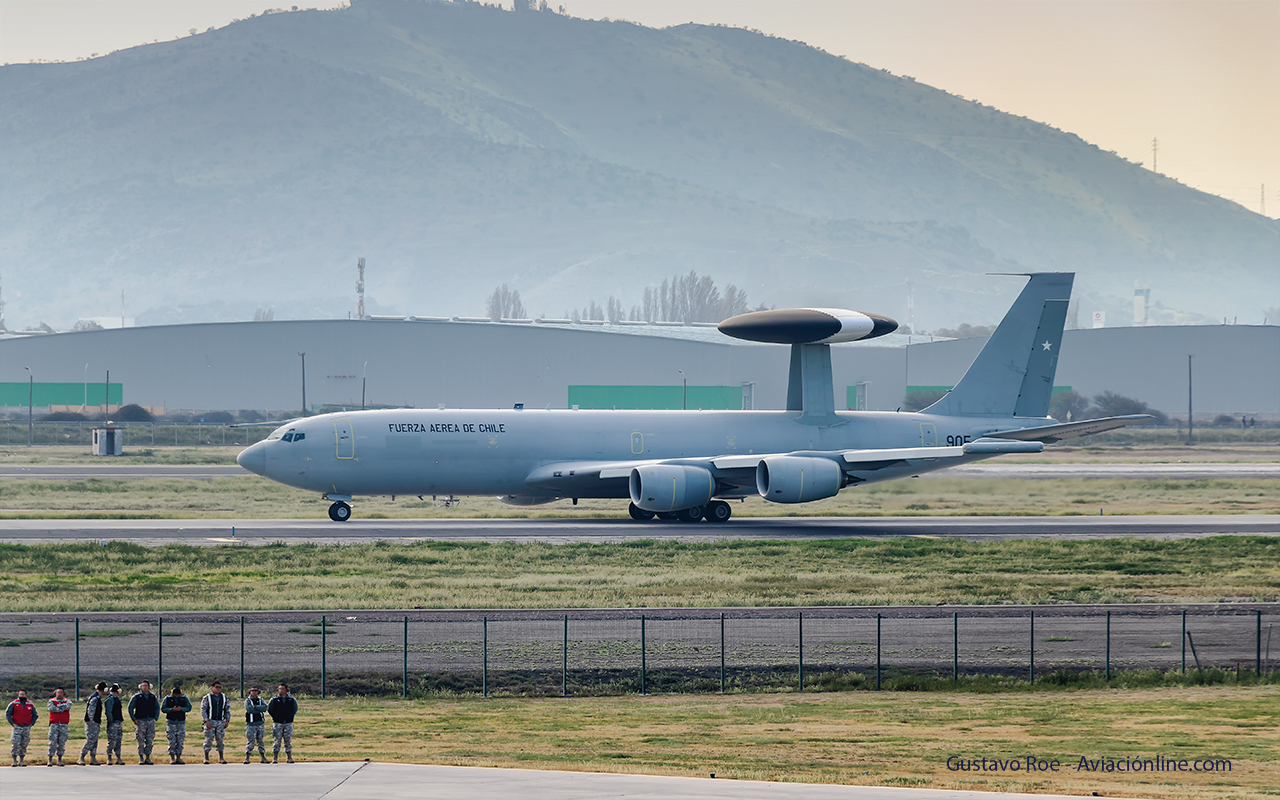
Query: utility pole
1191	439
360	288
684	402
1264	199
304	383
364	379
1155	155
31	396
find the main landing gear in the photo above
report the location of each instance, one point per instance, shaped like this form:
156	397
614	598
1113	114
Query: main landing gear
715	511
339	512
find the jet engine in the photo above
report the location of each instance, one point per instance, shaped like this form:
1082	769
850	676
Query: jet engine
796	479
669	487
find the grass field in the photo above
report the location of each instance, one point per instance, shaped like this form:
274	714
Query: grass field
251	497
120	576
886	739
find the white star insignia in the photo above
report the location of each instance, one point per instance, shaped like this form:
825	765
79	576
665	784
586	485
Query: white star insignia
1047	346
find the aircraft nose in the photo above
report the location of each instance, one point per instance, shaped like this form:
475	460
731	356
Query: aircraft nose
254	458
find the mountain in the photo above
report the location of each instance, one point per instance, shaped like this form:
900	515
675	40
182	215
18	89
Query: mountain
458	146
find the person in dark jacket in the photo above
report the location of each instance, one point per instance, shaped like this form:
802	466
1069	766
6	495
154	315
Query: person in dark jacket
175	708
21	714
144	710
282	709
93	724
113	713
255	716
215	710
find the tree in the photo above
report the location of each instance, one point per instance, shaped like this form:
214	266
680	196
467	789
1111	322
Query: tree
1110	404
86	325
505	303
922	398
133	413
966	331
1069	406
250	415
264	315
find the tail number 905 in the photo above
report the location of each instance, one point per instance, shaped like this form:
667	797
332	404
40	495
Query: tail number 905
956	441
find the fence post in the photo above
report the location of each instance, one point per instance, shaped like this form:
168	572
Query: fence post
644	667
242	656
955	645
721	652
1257	645
800	647
405	690
1032	672
1184	641
877	652
484	670
77	659
1108	645
324	657
160	655
564	660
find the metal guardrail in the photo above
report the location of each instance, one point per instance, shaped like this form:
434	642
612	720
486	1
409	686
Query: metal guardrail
13	433
618	651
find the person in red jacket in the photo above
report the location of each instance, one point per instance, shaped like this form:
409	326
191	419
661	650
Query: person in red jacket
59	725
21	714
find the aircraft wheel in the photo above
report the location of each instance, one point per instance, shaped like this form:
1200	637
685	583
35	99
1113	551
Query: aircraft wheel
339	512
638	513
690	514
666	516
718	511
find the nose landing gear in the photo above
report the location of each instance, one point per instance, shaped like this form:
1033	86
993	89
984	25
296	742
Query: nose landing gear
339	512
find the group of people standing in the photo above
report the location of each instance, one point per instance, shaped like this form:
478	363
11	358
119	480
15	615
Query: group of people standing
106	707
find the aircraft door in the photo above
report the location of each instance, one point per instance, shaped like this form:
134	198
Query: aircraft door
928	434
637	443
345	439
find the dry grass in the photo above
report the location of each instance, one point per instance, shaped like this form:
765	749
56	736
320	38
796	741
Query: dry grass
647	573
854	738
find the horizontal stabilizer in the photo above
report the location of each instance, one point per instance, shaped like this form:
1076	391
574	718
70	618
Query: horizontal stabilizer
1070	430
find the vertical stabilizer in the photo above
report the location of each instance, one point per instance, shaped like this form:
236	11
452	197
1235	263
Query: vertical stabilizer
1013	375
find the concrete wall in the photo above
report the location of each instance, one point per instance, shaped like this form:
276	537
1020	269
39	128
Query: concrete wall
487	365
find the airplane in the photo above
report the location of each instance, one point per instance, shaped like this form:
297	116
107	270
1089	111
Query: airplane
686	465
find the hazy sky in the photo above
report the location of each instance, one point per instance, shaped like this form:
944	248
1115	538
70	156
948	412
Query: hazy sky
1202	77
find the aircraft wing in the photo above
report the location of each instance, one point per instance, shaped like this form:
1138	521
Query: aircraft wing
1070	430
740	470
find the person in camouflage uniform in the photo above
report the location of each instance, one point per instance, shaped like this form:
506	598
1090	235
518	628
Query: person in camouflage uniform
282	709
215	710
59	725
144	710
255	710
93	724
21	714
175	708
113	715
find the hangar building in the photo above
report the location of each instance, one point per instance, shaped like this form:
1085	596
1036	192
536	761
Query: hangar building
482	364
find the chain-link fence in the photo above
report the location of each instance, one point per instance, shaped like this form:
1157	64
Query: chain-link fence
16	433
622	651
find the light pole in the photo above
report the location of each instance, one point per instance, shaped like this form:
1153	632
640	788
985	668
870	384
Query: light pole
84	407
1191	439
304	383
31	396
684	395
364	379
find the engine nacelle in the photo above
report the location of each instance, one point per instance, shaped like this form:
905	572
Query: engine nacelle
666	487
796	479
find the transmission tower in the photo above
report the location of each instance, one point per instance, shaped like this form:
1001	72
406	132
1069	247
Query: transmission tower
1155	155
360	288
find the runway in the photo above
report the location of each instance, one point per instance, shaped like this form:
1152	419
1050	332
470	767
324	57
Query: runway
350	780
561	531
1187	471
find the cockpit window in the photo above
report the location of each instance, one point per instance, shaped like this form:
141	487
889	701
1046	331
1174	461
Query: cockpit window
297	437
288	437
276	434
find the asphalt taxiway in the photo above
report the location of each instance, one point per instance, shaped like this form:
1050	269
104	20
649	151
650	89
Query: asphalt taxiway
557	531
363	780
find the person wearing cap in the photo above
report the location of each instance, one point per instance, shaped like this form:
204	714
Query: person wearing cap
215	710
59	725
282	708
175	708
93	724
255	724
144	710
21	714
113	713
